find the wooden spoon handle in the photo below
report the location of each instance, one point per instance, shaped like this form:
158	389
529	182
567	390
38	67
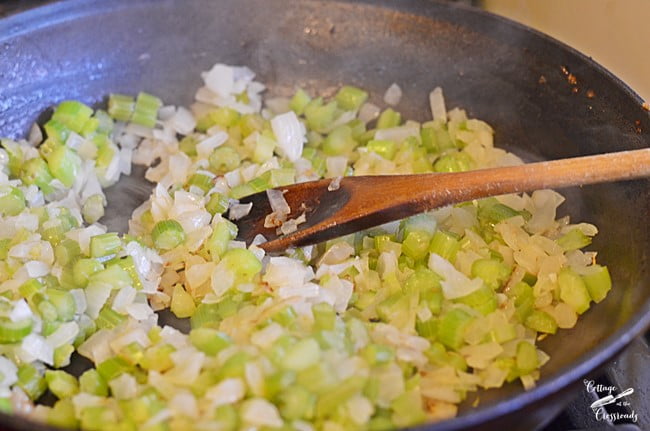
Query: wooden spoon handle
576	171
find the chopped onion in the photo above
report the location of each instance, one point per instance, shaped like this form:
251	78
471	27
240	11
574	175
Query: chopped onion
393	95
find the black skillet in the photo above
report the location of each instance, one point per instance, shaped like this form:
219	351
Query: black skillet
512	77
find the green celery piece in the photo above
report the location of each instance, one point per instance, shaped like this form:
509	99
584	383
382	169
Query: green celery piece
302	355
416	244
104	122
573	290
263	149
320	117
133	353
109	318
167	234
398	309
64	302
445	244
98	418
328	402
454	162
182	304
62	355
299	101
287	316
484	300
92	382
598	282
224	159
83	269
526	359
222	234
541	321
146	108
12	200
251	123
31	381
105	244
209	341
235	366
56	131
389	118
13	332
157	358
339	142
491	212
223	117
324	316
384	148
61	384
121	107
243	263
36	171
407	409
573	240
377	354
67	252
90	127
72	114
350	98
217	204
492	271
62	415
188	145
16	157
128	265
296	402
427	329
112	368
93	208
452	326
243	190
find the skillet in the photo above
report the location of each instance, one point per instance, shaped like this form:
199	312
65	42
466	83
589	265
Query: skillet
510	76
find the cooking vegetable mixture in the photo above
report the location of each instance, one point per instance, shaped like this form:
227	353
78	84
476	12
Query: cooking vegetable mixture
390	327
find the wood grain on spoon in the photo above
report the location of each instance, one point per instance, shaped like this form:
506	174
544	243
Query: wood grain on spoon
365	201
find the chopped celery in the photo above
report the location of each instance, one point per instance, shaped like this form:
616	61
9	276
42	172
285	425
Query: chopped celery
36	171
145	111
454	162
384	148
573	291
299	101
182	304
444	244
217	204
167	234
389	118
223	117
573	240
483	300
452	326
492	271
83	269
541	321
224	159
598	282
416	244
62	415
339	142
109	318
297	402
32	381
121	107
209	341
243	263
350	98
12	201
92	382
319	117
61	384
105	244
13	332
526	359
72	114
324	316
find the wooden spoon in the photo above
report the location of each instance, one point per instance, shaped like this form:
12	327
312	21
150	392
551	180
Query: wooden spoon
365	201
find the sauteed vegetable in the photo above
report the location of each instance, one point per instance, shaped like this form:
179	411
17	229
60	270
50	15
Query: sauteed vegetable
387	328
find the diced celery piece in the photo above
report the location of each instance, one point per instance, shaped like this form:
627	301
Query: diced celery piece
217	204
72	114
427	329
224	159
62	355
483	299
377	354
61	384
328	402
227	418
146	108
452	326
243	263
12	200
64	302
407	409
297	402
320	117
598	282
299	101
13	332
109	318
454	162
384	148
112	368
324	316
83	269
416	244
36	171
444	244
121	107
573	290
157	358
350	98
167	234
63	415
31	381
526	359
209	341
339	142
223	117
389	118
105	244
92	382
541	321
573	240
302	355
492	271
182	304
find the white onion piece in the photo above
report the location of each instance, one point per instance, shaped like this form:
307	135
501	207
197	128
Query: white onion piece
290	134
437	103
393	95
